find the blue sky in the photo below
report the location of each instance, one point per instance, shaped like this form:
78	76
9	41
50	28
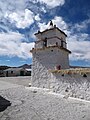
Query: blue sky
20	19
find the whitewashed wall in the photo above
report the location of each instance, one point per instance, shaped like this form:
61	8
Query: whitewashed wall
39	45
51	34
45	60
50	42
71	85
60	35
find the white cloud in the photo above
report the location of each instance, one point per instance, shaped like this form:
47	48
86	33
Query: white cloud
4	27
20	12
43	26
22	20
11	45
11	6
80	50
37	17
82	26
43	9
79	44
26	47
52	3
58	21
78	37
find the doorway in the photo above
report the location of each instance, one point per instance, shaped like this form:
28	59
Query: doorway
21	73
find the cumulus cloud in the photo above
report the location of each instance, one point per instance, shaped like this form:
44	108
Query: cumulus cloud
19	13
43	26
79	44
11	6
52	3
80	50
58	21
23	12
22	20
37	17
11	44
82	26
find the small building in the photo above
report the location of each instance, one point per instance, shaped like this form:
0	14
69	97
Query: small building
10	72
28	72
1	73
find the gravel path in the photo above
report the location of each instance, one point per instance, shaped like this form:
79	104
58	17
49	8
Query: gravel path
39	104
20	80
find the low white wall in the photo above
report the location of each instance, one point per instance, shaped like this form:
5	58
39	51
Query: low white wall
70	85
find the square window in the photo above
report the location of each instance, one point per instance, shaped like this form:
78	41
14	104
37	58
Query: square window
11	72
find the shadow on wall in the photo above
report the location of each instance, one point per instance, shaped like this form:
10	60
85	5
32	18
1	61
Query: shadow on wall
4	103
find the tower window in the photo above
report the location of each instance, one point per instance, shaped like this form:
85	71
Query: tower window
45	42
61	43
56	43
11	72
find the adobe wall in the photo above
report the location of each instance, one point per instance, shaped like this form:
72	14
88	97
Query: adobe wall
54	36
45	60
74	85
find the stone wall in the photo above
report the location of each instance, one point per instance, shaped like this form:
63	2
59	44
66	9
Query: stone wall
45	60
74	85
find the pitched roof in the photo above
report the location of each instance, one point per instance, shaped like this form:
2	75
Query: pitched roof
39	32
14	69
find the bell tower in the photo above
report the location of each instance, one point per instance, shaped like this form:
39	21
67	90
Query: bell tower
50	52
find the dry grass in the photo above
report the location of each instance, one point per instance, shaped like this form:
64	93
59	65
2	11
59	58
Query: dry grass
72	71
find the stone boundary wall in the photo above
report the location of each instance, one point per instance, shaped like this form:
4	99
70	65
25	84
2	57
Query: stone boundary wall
71	82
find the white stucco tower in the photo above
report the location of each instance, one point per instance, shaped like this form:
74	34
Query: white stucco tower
50	52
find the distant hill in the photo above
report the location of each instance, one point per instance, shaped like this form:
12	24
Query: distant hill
78	67
4	67
25	66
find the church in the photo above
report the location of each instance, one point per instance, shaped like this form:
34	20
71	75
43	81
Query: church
50	65
51	47
50	52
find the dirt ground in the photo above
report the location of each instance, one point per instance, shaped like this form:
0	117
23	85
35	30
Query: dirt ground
23	103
